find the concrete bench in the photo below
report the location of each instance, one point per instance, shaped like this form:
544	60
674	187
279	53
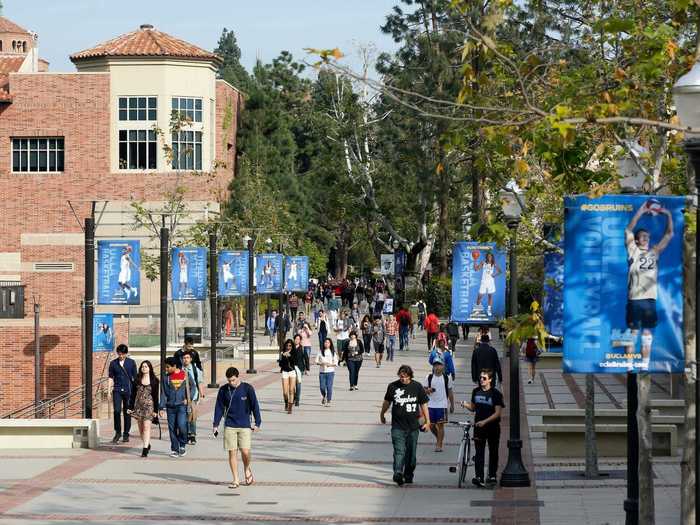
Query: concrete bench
603	416
568	440
669	407
550	361
49	433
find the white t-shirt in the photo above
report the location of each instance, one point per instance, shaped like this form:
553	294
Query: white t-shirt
438	399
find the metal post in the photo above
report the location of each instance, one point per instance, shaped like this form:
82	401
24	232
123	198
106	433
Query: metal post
37	358
631	504
283	309
164	234
214	307
514	474
249	317
89	311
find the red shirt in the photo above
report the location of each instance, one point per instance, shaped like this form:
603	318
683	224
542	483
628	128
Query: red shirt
432	323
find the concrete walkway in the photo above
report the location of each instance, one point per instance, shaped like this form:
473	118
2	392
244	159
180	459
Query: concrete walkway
318	465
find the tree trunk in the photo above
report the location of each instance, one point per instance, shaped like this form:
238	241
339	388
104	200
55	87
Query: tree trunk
688	474
591	444
646	477
443	227
342	246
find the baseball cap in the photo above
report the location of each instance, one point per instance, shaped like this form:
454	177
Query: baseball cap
438	361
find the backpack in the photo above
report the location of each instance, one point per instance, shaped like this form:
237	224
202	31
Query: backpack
444	376
531	348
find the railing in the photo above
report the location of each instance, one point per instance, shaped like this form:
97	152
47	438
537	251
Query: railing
70	404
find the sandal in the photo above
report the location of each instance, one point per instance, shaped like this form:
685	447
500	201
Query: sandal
249	479
234	485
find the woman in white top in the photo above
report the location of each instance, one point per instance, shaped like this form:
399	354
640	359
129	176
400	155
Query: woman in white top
327	359
489	270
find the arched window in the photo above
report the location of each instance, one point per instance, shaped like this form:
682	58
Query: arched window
24	47
14	45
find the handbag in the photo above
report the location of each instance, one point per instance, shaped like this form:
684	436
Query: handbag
191	408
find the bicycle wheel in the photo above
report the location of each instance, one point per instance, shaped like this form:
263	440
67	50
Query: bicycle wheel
465	461
462	462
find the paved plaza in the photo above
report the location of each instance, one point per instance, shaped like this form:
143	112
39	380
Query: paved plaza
324	465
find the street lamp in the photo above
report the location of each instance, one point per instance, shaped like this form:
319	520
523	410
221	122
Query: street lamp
268	243
250	306
686	95
514	474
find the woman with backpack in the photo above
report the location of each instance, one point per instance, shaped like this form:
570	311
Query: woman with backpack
532	354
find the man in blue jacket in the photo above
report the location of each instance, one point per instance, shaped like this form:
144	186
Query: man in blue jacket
235	402
122	375
176	399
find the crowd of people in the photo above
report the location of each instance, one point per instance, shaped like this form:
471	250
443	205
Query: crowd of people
348	330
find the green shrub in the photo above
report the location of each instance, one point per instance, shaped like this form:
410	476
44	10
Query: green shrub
438	296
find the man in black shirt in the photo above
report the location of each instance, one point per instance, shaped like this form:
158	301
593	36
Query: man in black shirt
408	401
485	356
488	404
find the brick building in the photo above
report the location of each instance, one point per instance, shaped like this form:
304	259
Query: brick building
94	141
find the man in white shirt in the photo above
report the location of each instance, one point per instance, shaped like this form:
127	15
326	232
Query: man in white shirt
438	386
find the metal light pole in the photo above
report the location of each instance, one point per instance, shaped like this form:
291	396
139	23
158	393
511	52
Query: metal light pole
213	307
686	94
268	243
251	314
89	311
37	359
514	474
164	239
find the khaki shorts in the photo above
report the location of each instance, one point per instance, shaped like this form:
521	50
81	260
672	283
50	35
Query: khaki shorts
235	438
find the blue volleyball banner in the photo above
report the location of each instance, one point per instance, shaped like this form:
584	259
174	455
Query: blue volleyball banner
623	284
118	272
189	274
296	273
233	273
478	283
268	273
103	333
553	297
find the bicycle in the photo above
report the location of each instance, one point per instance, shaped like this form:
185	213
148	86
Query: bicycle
465	453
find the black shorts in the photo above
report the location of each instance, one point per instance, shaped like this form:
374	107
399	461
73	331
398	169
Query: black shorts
641	313
378	349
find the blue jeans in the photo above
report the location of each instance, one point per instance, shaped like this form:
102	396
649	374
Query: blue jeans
177	427
325	381
307	351
297	393
321	339
405	444
403	337
120	402
390	348
354	371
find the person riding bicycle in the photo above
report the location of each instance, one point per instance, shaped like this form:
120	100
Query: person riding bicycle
487	403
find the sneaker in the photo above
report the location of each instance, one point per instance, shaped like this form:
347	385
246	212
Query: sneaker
491	480
529	381
398	479
323	401
478	482
356	387
328	404
183	452
174	454
352	388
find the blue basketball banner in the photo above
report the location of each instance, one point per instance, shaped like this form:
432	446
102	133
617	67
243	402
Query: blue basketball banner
296	273
553	300
478	283
189	274
623	284
233	273
268	273
103	333
118	272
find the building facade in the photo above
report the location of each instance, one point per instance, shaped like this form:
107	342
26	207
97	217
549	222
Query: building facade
144	116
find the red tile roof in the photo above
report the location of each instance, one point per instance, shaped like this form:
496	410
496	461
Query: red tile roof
8	26
10	64
146	42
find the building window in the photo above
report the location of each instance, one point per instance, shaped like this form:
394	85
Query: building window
11	300
189	109
138	108
137	150
187	150
40	154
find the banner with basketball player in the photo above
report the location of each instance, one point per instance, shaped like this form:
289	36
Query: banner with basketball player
189	274
233	273
268	273
478	283
296	273
118	272
623	284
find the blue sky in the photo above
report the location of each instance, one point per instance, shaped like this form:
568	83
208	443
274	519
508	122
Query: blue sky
263	27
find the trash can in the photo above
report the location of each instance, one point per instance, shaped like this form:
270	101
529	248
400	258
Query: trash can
195	332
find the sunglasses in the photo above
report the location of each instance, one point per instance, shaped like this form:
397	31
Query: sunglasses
484	378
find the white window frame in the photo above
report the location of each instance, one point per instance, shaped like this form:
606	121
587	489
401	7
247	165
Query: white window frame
149	137
178	138
136	99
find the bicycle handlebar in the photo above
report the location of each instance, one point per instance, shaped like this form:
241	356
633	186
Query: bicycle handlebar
461	423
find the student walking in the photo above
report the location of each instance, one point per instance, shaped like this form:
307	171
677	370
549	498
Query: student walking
323	327
271	325
405	321
391	327
453	335
195	395
441	353
302	366
288	363
305	333
487	403
352	356
188	346
342	330
432	327
485	356
236	402
122	375
438	386
174	400
532	354
378	341
327	360
420	305
143	404
408	401
366	329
